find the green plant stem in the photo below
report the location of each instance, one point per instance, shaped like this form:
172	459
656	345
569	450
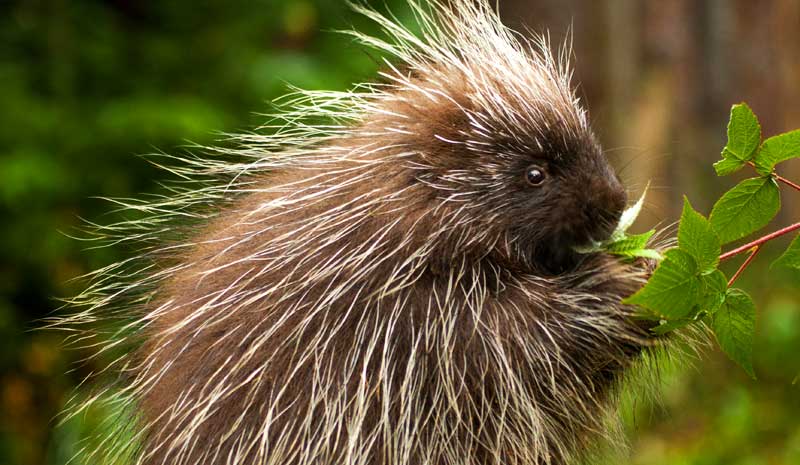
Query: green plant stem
744	265
759	241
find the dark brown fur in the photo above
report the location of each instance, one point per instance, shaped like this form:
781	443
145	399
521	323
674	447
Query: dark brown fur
582	202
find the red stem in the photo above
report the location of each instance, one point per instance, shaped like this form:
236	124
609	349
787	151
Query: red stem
759	241
755	246
779	178
744	265
786	181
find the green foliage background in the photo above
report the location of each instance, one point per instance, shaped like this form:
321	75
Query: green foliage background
86	85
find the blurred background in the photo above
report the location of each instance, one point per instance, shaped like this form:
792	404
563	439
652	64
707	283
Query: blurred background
86	86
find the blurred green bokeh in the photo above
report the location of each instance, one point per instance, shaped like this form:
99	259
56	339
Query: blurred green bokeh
85	86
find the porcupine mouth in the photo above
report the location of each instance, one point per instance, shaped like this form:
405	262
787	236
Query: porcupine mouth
556	259
560	256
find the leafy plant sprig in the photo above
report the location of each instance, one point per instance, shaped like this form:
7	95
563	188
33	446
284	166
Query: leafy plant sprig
688	286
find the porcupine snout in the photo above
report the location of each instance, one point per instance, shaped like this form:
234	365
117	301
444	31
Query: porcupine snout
605	202
589	211
592	206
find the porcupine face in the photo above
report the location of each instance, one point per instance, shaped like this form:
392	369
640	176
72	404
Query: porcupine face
501	136
538	181
563	196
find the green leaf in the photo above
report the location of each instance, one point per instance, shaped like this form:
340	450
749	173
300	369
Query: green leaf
790	258
668	326
734	325
728	164
744	135
646	253
745	209
715	287
698	238
630	243
744	132
716	282
633	246
673	290
777	149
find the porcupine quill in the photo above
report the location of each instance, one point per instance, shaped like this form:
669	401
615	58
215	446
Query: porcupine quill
397	285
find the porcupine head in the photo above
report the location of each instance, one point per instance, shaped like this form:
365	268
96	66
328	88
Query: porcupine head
396	285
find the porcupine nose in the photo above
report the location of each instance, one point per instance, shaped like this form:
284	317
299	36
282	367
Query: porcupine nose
617	199
608	200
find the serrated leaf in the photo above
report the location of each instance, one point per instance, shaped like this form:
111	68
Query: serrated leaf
745	209
646	253
744	135
791	257
728	164
715	287
734	325
716	282
777	149
631	243
671	325
633	246
673	290
744	132
697	237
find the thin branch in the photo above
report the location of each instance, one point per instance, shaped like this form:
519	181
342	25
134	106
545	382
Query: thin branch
786	181
779	178
758	242
744	265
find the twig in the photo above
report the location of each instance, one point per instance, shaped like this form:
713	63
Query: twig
786	181
744	265
779	178
759	241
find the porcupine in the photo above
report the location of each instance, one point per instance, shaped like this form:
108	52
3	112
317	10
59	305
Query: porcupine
395	285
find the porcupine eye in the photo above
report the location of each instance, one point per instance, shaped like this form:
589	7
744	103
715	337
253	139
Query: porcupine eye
535	175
